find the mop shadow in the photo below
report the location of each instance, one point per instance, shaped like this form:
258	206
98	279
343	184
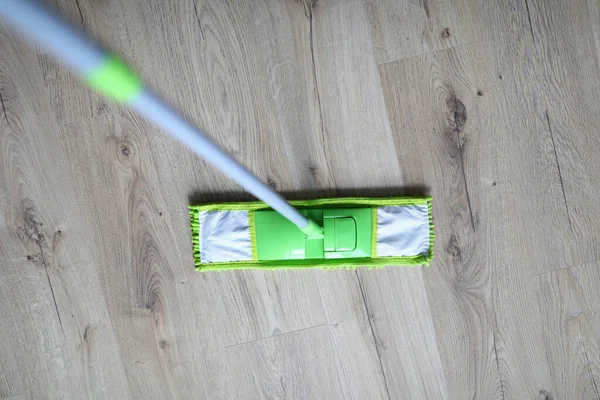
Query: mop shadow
199	197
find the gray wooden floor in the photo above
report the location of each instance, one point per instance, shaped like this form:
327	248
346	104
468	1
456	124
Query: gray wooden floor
491	107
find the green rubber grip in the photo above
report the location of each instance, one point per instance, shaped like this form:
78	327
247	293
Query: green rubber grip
116	80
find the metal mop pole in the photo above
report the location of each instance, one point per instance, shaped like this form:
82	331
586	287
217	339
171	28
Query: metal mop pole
116	80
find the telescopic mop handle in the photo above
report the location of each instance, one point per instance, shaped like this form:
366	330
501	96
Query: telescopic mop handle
116	80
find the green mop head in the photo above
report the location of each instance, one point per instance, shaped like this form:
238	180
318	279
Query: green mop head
371	232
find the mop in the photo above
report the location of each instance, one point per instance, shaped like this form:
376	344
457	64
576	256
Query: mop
267	234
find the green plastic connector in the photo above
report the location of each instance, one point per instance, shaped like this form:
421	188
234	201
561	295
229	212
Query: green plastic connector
313	230
346	233
116	80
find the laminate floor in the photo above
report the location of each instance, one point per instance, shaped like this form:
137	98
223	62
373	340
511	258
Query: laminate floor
491	107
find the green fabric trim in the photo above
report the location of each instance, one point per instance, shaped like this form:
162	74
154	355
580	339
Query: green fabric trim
348	263
374	228
327	264
252	227
348	201
195	226
431	230
116	80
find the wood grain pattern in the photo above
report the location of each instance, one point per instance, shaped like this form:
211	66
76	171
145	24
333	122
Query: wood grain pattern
69	99
402	29
569	301
343	54
447	156
407	373
479	78
571	87
350	328
291	366
57	325
286	43
491	107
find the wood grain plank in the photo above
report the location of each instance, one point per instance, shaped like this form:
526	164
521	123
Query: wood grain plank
494	117
262	304
402	29
144	267
570	74
507	147
352	334
11	382
557	243
218	52
297	365
285	35
568	304
491	151
434	98
546	48
594	18
379	342
312	96
405	336
207	67
69	98
145	277
17	397
355	124
57	299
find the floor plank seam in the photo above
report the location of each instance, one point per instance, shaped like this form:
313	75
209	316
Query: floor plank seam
51	290
91	118
81	16
565	268
14	396
587	366
425	8
529	19
198	19
562	185
429	52
274	336
375	342
308	12
4	109
498	367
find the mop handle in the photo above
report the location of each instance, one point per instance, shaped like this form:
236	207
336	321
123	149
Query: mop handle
116	80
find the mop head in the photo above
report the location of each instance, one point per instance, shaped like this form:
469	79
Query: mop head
373	232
